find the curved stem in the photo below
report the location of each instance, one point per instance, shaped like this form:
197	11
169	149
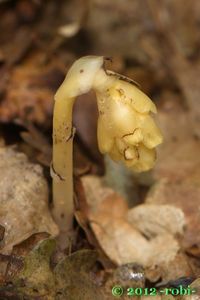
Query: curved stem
78	81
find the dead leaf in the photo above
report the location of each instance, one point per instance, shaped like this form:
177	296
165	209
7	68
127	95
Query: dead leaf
29	92
15	259
14	52
122	243
96	192
36	277
184	196
153	220
178	157
73	277
178	267
24	199
37	140
120	240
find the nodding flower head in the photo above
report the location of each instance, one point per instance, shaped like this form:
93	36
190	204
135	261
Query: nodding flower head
126	129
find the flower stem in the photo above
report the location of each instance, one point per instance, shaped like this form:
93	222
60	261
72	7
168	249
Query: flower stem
62	166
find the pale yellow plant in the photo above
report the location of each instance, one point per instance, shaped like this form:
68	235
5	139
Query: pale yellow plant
126	129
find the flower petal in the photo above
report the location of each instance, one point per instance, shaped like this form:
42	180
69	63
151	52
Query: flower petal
118	116
151	133
130	94
146	160
134	137
105	141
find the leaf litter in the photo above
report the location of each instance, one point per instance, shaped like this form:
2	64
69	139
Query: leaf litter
156	232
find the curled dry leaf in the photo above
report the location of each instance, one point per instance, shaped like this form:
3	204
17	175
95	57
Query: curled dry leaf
24	199
106	216
121	241
125	244
153	220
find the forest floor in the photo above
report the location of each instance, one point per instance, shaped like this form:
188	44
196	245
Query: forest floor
130	230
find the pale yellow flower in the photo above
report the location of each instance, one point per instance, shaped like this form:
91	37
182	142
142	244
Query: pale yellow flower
126	129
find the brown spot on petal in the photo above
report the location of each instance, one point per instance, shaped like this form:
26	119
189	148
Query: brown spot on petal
121	92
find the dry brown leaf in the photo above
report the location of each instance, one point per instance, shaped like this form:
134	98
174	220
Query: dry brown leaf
163	249
122	243
120	240
176	268
107	219
38	141
29	92
178	156
24	199
178	166
153	220
96	192
184	196
125	244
